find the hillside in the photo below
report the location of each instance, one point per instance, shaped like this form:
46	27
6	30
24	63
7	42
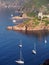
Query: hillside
27	3
31	7
34	6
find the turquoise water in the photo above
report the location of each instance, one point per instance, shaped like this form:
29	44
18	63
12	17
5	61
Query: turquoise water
9	40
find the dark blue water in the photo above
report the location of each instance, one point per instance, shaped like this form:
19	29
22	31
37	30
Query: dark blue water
9	40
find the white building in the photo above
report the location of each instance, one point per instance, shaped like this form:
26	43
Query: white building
46	16
41	15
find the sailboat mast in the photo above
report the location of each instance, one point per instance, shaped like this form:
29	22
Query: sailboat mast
20	54
34	46
20	46
20	61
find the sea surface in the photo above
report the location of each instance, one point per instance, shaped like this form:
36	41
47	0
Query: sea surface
9	41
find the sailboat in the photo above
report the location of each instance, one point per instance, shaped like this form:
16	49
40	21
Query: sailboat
20	61
20	44
11	15
45	41
34	50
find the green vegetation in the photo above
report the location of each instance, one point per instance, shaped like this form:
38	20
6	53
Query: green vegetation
36	22
33	6
46	22
31	14
25	22
36	3
40	2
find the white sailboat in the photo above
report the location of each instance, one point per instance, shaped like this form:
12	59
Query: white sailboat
20	61
45	41
20	44
34	50
11	15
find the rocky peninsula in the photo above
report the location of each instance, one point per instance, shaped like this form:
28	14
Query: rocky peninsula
32	25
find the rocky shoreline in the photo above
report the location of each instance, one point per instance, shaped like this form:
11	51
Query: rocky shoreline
25	28
31	26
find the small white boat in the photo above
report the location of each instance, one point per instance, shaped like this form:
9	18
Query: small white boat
34	50
14	21
20	62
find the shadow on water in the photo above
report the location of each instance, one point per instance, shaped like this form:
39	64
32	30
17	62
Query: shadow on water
39	34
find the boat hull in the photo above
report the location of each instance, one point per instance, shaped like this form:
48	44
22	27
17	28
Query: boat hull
33	51
20	62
